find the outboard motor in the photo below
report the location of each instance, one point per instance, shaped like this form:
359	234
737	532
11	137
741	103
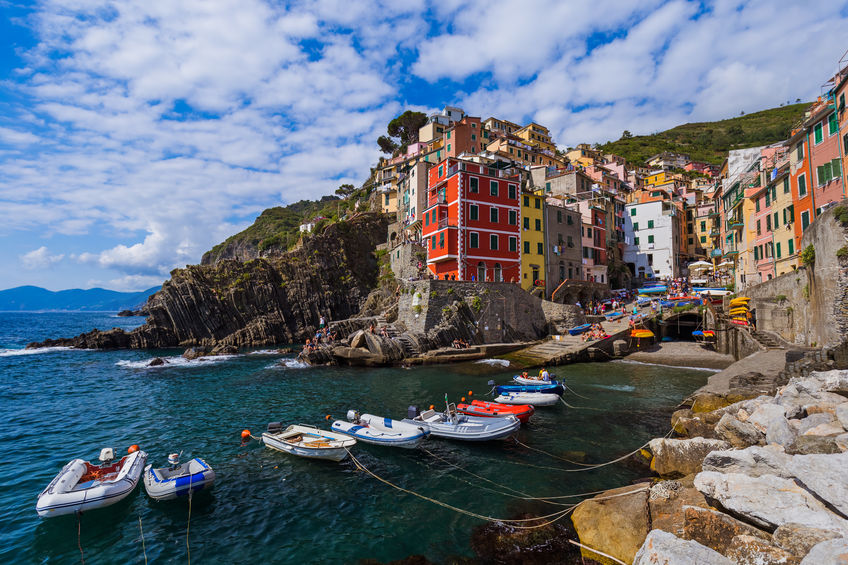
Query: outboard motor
275	427
107	454
352	416
174	460
412	412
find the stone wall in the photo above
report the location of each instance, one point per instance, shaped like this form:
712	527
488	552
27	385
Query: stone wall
404	259
502	311
809	305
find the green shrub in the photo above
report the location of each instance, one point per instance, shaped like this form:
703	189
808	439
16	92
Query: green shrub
808	255
840	214
434	294
806	291
842	252
476	303
417	308
780	297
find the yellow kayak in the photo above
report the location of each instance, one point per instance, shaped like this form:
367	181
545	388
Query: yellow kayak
739	310
740	301
641	333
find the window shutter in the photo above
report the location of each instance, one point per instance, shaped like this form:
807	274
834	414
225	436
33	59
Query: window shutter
837	168
820	174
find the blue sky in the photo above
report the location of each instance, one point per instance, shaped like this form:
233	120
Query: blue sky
136	135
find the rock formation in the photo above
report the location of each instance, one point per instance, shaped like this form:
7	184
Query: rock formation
265	301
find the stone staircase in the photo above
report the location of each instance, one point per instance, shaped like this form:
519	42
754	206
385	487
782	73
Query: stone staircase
766	340
408	346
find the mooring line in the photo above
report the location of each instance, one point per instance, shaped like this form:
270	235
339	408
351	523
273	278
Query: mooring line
143	548
515	522
79	536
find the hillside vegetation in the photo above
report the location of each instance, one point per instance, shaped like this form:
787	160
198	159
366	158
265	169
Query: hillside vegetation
710	141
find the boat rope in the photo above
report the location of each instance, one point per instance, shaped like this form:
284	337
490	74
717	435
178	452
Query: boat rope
552	455
143	548
598	465
579	407
188	524
587	548
524	495
514	522
79	536
575	392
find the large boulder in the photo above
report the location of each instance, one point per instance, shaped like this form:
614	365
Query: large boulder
752	550
663	548
796	400
738	433
824	475
807	445
767	501
680	457
715	529
842	414
501	543
771	420
824	430
811	421
667	501
689	424
753	461
832	552
615	522
799	540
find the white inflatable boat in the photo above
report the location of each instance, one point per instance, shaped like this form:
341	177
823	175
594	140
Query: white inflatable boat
307	441
453	425
380	431
167	483
532	398
81	486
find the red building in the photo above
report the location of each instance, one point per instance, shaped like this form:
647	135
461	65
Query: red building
472	223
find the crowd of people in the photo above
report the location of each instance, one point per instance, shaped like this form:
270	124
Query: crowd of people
595	332
460	344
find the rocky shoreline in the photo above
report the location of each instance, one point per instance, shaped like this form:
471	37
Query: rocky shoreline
757	473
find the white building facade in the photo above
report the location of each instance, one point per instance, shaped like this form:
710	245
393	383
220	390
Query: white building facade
652	240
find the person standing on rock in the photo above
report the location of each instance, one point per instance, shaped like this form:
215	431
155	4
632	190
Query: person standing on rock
322	322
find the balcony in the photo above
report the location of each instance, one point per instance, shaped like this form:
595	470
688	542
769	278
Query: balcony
437	199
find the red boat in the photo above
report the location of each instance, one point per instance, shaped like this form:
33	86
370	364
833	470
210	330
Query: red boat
496	410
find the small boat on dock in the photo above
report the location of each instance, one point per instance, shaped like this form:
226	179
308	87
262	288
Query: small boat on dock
451	424
307	441
168	483
381	431
531	398
485	409
577	330
82	486
553	387
613	316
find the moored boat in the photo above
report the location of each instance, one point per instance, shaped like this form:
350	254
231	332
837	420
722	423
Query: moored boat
168	483
381	431
485	409
452	425
577	330
534	381
307	441
531	398
82	486
549	388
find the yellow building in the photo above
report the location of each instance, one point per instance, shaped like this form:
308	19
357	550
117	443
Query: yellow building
537	136
532	239
785	251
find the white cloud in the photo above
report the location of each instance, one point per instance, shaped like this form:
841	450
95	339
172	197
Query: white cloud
39	258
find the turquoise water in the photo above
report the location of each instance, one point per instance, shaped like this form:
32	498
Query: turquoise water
272	507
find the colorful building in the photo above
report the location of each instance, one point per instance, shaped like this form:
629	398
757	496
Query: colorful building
652	239
563	247
532	240
472	223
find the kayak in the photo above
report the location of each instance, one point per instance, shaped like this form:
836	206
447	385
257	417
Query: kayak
641	333
485	409
577	330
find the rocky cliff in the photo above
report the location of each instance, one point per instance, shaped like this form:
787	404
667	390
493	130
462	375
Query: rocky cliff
264	301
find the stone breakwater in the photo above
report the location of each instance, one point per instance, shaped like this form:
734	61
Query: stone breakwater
759	475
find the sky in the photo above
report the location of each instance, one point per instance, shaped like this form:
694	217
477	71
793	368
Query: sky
135	135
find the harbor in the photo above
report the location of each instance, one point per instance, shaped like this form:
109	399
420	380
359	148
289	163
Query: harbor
268	503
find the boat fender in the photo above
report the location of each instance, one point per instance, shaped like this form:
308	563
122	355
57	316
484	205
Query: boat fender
132	449
245	434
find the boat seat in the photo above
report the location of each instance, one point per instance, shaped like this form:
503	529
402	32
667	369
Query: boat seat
427	414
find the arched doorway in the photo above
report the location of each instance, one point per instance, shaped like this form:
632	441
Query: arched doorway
498	273
481	271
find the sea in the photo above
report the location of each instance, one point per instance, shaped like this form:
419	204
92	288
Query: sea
60	404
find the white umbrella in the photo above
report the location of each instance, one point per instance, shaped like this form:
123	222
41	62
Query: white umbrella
700	266
725	264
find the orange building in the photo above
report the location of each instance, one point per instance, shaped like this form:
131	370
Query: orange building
472	223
